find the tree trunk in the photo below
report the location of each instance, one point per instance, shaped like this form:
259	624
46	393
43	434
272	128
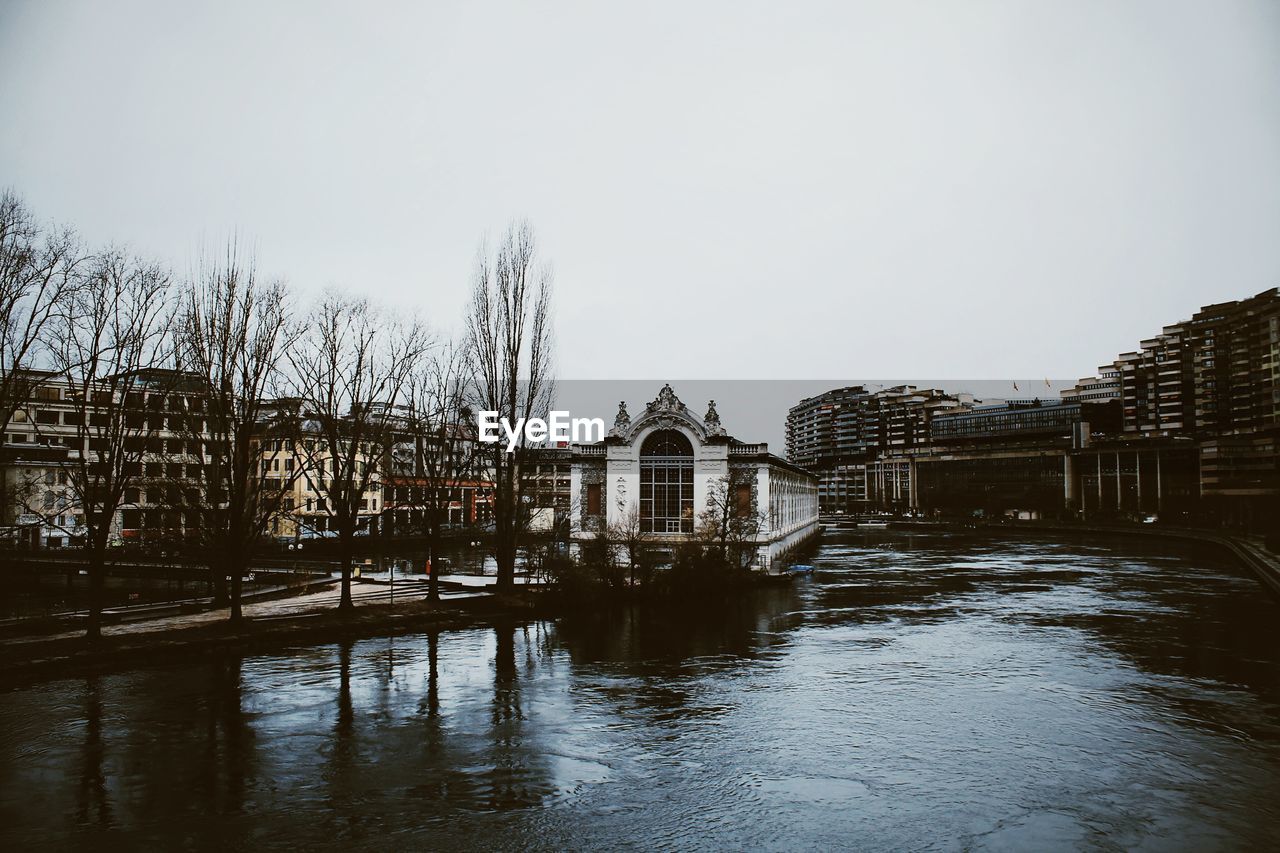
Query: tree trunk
237	572
97	570
345	603
505	553
433	582
504	529
218	578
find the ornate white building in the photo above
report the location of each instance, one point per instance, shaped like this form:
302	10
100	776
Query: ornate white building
673	472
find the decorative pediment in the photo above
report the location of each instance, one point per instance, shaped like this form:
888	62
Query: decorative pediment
666	401
666	411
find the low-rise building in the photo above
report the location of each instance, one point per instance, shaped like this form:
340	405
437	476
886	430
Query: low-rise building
672	472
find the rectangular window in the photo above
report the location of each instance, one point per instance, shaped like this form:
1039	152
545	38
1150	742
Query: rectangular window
593	499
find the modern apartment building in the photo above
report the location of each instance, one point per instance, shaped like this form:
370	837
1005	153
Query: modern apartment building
1097	389
1187	425
829	429
1157	388
1235	364
840	436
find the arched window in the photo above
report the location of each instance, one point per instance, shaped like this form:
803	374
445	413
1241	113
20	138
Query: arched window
666	483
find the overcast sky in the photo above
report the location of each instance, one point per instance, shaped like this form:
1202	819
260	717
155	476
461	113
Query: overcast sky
726	190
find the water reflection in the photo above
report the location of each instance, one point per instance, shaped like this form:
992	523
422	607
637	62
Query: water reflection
229	739
93	805
920	691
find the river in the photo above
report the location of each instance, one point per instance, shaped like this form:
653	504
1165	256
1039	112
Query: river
920	692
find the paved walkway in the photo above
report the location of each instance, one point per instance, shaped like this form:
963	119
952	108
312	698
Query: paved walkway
483	581
309	604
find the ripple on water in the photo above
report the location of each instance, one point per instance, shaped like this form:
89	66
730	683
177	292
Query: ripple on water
923	693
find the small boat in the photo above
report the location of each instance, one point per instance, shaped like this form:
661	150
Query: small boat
873	525
800	569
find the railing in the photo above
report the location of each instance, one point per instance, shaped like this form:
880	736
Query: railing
748	449
589	450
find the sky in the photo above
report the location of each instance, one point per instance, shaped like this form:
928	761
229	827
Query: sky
736	190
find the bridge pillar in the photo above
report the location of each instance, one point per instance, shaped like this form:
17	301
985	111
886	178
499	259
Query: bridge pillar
1137	472
1159	485
1099	458
1119	490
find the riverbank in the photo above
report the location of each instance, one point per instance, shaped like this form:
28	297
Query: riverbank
314	618
309	620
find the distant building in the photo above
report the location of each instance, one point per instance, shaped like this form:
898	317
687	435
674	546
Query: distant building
46	438
414	473
1186	427
1157	384
1011	422
833	435
844	435
667	468
831	428
1096	389
1235	364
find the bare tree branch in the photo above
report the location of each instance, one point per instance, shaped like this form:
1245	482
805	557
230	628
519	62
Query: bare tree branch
349	370
232	333
509	334
112	349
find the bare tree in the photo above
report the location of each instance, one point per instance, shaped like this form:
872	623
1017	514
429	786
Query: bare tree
349	369
112	345
628	533
443	460
232	334
731	524
509	331
37	272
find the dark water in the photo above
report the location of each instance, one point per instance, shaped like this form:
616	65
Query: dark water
922	692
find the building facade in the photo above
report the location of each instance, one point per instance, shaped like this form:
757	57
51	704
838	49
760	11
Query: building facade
1096	389
671	473
1186	427
156	426
847	437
